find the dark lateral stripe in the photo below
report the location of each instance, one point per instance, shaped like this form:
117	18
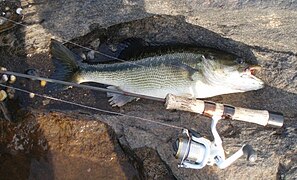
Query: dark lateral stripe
209	109
229	111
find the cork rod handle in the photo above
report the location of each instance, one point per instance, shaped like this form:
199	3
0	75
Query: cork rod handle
210	109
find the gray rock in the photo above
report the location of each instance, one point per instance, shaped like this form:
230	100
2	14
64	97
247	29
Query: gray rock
263	31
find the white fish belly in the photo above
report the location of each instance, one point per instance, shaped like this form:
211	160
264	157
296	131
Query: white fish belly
162	92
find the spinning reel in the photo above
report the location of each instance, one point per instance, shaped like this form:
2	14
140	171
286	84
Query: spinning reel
195	151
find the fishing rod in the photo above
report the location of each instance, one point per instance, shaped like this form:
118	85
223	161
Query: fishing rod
205	108
85	106
191	148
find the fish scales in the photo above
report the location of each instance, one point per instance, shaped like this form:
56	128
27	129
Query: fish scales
147	75
188	74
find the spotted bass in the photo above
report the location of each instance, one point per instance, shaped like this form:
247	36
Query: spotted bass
188	74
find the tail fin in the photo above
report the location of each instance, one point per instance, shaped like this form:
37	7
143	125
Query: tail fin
66	67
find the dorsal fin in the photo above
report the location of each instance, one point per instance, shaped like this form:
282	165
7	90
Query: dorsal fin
128	49
132	48
137	48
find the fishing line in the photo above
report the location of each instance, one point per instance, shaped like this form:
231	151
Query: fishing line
92	87
90	107
81	85
67	41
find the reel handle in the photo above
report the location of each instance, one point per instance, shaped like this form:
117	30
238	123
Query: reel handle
210	109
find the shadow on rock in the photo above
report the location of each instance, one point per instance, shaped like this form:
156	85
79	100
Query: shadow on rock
165	30
19	145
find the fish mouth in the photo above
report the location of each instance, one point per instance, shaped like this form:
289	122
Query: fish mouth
253	70
249	75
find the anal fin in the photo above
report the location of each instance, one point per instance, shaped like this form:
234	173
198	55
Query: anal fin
118	99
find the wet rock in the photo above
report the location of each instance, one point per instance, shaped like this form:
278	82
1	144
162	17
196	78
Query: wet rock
58	146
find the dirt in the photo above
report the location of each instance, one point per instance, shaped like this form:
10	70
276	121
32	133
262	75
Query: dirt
256	30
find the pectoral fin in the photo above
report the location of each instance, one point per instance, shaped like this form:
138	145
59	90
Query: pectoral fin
189	71
118	99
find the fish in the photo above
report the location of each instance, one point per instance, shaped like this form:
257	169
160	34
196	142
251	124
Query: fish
190	74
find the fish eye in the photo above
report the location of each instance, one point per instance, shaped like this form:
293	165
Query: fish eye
239	60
